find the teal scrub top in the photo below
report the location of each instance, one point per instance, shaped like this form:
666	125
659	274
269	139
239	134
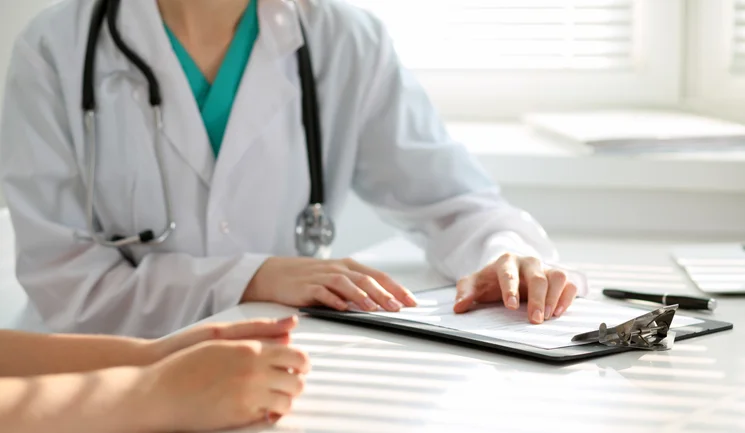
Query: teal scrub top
215	100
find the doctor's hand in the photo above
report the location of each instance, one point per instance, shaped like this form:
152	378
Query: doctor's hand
221	385
301	282
512	279
275	331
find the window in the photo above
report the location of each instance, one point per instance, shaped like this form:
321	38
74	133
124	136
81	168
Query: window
510	34
716	60
738	38
495	58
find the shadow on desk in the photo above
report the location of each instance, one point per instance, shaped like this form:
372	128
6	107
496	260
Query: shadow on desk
391	383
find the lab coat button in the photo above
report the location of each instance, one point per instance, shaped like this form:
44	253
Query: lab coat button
225	227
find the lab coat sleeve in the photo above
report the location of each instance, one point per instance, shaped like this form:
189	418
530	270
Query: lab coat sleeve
427	185
79	286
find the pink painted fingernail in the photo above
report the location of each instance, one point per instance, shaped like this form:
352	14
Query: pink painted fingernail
538	316
547	314
559	311
512	303
370	305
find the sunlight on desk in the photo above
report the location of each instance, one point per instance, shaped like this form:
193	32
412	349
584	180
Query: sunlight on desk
387	385
316	343
470	402
675	372
673	359
401	354
688	347
391	367
327	337
381	384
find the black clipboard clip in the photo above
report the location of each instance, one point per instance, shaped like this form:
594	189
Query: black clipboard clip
650	331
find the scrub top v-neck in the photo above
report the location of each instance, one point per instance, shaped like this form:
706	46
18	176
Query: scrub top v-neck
215	100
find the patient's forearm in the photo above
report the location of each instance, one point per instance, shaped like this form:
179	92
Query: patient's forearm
32	354
105	401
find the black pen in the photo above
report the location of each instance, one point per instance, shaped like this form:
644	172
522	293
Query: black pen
683	302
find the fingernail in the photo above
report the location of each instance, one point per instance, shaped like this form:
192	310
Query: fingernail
547	314
395	305
370	305
512	303
538	316
340	305
287	320
559	311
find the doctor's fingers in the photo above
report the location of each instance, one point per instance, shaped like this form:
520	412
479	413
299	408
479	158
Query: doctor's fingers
384	280
322	295
465	294
375	290
557	281
342	286
534	279
507	273
566	299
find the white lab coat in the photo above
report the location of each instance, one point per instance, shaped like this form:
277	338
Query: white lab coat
381	138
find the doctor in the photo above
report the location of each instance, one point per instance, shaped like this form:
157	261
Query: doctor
164	160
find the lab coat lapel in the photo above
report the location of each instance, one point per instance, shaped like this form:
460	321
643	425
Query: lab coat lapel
182	122
265	88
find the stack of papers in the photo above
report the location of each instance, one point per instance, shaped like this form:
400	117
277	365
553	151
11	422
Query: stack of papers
636	131
714	268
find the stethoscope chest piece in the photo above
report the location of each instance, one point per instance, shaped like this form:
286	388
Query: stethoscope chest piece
314	232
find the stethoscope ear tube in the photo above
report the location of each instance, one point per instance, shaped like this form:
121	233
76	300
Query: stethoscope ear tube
89	97
311	121
103	10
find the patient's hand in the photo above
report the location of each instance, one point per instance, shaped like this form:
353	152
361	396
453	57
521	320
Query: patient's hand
272	331
222	384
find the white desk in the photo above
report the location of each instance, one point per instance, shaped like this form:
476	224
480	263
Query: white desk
366	381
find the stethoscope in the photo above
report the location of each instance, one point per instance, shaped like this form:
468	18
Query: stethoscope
314	229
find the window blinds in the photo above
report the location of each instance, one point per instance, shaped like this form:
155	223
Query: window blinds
738	43
510	34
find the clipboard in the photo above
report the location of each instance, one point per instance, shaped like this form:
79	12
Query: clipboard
463	338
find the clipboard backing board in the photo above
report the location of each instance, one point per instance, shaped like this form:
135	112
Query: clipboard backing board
463	338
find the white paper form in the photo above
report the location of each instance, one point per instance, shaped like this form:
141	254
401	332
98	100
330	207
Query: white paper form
496	321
